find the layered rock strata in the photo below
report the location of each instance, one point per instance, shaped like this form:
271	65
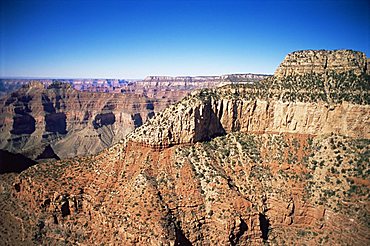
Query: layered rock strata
321	61
35	120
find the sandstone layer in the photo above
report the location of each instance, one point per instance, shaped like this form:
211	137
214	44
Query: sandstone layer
320	61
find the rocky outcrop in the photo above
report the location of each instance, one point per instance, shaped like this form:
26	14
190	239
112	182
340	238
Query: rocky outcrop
321	61
195	120
67	121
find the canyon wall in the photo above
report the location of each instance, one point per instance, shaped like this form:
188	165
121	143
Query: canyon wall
150	83
61	121
203	119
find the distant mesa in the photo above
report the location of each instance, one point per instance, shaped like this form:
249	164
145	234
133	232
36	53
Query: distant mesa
129	86
241	78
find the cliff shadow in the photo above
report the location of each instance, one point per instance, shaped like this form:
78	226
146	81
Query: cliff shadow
14	163
48	153
104	119
264	226
207	124
56	122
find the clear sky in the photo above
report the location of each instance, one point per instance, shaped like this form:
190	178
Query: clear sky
133	38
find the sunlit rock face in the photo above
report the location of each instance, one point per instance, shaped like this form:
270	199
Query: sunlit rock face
321	61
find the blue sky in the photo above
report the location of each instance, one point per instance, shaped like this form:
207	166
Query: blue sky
133	38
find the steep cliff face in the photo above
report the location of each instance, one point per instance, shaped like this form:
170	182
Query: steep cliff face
68	122
318	101
196	119
269	163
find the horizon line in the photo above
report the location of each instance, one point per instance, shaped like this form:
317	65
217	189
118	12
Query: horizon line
192	76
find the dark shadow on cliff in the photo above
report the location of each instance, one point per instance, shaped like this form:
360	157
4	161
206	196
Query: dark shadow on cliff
104	120
56	122
243	228
23	124
207	125
136	118
48	153
10	163
264	226
181	239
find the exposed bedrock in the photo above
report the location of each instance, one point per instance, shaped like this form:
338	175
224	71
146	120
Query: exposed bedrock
321	61
202	120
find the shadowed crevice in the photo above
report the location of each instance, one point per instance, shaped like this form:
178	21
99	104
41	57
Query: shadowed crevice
138	121
181	239
234	239
48	153
207	124
23	124
264	226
